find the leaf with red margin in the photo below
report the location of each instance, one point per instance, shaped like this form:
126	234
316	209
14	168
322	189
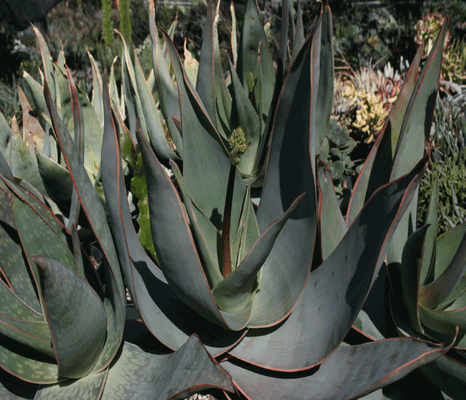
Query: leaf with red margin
289	174
375	172
138	374
76	317
348	373
335	291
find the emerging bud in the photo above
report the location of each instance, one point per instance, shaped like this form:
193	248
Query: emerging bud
238	145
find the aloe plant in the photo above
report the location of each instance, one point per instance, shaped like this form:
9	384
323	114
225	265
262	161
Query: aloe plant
422	297
241	278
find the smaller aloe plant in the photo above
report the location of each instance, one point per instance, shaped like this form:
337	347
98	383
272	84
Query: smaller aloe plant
423	295
428	296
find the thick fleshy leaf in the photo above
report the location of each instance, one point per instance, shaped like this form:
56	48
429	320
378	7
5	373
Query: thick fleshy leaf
50	76
27	364
35	334
12	388
323	104
5	169
76	317
335	292
12	306
205	233
79	135
20	159
377	323
205	83
43	240
430	245
332	224
38	101
57	182
33	134
206	163
289	174
87	388
298	39
97	101
411	262
253	43
115	299
446	321
234	39
138	374
349	372
166	89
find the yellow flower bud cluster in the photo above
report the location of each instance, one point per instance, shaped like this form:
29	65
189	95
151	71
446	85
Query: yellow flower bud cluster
370	112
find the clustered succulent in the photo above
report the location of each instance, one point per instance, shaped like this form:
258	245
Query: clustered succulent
257	301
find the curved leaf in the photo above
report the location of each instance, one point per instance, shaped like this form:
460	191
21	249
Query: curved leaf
76	318
411	264
335	292
332	224
348	373
254	42
289	174
166	89
138	374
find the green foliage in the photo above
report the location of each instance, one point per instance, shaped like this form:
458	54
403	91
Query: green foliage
449	136
125	20
451	175
107	26
448	164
